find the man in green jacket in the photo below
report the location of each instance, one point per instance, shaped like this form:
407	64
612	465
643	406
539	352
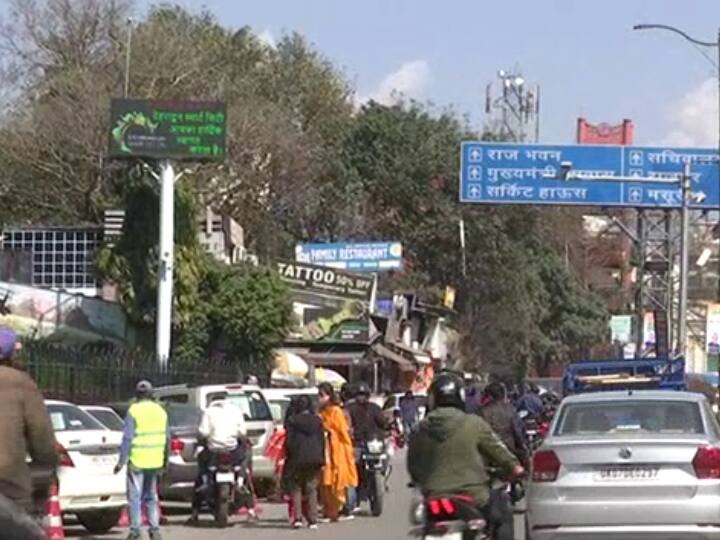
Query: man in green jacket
450	452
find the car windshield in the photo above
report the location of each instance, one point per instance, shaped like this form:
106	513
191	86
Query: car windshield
253	406
183	415
278	408
71	418
107	418
643	416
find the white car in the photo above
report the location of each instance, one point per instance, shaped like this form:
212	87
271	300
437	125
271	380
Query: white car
88	453
106	416
279	400
627	465
248	398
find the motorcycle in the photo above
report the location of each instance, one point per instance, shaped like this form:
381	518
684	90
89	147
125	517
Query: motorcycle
532	430
375	470
448	518
458	518
228	482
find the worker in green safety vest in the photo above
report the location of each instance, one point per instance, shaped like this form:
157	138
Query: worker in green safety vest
145	450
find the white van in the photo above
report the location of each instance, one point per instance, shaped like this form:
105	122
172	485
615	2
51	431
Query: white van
248	398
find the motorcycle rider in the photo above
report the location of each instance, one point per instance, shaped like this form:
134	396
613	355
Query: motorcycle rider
368	423
449	454
25	432
529	400
504	421
409	412
367	417
222	429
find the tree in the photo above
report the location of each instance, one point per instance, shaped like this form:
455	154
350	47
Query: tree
245	312
518	304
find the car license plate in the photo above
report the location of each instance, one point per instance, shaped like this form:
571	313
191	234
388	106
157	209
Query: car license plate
104	460
627	472
223	477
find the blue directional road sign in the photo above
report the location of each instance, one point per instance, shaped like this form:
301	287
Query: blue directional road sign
500	173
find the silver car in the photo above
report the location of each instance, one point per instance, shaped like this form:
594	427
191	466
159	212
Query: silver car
628	465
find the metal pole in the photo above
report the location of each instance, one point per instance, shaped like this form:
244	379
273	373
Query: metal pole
670	300
684	261
127	56
640	281
718	161
462	248
165	270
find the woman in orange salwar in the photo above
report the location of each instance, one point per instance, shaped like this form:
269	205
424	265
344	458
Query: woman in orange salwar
339	472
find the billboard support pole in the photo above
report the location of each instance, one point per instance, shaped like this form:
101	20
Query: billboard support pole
684	261
165	270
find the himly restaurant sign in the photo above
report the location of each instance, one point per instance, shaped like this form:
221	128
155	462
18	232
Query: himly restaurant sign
324	280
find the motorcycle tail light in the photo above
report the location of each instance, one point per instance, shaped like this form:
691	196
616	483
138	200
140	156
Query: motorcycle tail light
225	459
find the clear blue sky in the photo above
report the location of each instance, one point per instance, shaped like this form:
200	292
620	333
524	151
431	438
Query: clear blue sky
583	53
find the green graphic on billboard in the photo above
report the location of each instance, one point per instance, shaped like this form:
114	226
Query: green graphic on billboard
183	130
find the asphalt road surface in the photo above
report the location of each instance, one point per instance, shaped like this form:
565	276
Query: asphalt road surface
273	524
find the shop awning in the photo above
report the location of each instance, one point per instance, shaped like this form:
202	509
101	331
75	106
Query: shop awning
334	358
385	352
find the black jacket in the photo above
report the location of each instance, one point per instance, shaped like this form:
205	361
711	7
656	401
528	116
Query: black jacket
368	421
305	443
507	425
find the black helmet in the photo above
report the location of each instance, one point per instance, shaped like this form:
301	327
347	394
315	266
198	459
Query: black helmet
447	390
362	389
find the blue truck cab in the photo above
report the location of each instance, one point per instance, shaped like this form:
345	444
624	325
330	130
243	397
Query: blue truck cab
642	374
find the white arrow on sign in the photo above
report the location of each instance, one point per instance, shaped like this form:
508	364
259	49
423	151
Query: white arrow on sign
475	154
636	158
475	192
474	173
635	195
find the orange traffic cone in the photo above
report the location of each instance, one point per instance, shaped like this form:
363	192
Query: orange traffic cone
52	521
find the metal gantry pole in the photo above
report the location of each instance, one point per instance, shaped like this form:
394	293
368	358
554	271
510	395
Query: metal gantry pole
684	262
165	270
640	282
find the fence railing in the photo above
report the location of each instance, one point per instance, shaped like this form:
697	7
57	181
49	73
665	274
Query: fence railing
88	375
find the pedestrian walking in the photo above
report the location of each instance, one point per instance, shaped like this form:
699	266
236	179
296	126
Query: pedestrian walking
145	450
339	472
305	447
409	412
25	430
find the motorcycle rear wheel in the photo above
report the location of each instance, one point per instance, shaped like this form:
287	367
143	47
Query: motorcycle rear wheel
222	504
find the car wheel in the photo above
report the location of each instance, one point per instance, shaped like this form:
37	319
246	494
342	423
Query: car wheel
99	521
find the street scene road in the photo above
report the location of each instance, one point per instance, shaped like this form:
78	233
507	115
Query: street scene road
273	522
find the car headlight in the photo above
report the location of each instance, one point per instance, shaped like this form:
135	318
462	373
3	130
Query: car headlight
375	446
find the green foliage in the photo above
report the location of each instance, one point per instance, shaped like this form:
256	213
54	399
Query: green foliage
244	312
